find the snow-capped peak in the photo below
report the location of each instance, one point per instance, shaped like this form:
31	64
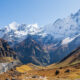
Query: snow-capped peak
66	27
15	31
22	27
33	25
12	26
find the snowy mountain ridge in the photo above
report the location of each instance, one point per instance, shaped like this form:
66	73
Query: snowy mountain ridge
23	29
15	31
61	29
67	27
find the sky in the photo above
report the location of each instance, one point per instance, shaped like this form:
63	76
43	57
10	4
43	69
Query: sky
41	12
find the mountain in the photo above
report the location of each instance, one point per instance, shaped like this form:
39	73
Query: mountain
57	39
61	29
8	57
66	27
15	32
6	51
66	32
64	48
30	51
72	58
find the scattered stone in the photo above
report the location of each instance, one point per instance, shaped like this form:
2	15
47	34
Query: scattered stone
13	78
11	69
57	72
35	76
60	68
7	79
67	71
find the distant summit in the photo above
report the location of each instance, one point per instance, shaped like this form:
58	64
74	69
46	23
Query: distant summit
66	27
18	32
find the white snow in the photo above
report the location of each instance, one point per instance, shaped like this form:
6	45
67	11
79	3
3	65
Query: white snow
67	40
12	26
66	27
20	31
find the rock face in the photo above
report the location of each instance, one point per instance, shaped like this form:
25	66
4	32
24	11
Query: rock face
8	58
63	50
29	51
7	66
5	50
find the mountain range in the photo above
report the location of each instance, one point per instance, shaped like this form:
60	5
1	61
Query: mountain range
30	51
66	27
50	43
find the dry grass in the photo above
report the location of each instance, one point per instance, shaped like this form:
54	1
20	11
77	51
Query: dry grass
27	71
23	68
6	59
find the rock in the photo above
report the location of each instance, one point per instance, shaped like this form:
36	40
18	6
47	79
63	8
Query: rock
7	79
13	78
57	72
67	71
35	76
60	68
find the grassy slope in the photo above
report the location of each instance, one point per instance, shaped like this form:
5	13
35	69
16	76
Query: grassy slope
6	59
71	63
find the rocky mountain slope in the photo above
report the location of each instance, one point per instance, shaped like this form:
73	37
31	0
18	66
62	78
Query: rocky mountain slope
5	50
8	57
72	58
30	51
65	49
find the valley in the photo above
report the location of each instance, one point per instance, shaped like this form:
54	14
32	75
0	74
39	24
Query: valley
67	69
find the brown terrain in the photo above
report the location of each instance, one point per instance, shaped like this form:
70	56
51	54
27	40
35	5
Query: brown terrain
6	53
66	69
28	72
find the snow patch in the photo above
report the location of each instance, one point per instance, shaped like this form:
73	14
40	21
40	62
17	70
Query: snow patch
67	40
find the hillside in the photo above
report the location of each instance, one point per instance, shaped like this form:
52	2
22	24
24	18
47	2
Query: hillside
72	58
30	51
8	57
6	53
67	69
